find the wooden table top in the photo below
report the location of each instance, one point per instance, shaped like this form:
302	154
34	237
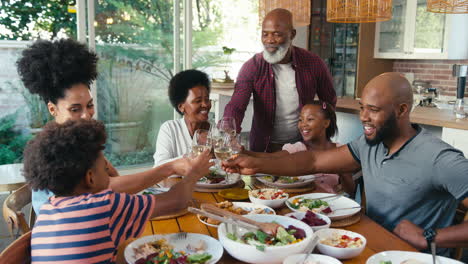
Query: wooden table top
378	238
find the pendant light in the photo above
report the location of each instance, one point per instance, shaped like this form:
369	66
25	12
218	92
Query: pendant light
358	11
448	6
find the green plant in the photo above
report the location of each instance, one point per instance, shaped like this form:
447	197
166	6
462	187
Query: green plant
12	141
144	156
228	53
36	108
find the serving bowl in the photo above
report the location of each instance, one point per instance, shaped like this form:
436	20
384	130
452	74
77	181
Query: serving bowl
301	215
299	258
273	203
339	253
271	254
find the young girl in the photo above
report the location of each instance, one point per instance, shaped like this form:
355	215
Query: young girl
317	125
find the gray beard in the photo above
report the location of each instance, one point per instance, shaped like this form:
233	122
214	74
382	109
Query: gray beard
278	55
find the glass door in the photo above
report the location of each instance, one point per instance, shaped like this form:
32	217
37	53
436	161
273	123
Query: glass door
429	31
392	32
139	51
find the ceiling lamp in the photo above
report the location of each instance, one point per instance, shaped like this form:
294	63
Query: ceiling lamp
448	6
358	11
299	8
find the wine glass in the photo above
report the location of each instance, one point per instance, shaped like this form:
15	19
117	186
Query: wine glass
201	141
227	125
223	151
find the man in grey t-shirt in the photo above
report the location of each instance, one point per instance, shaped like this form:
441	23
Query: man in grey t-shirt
414	181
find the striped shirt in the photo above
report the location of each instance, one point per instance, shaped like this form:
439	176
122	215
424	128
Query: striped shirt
257	78
88	228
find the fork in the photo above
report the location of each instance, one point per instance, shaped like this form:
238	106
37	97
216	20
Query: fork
310	248
181	236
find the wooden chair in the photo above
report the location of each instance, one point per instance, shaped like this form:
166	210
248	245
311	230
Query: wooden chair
18	252
461	216
14	217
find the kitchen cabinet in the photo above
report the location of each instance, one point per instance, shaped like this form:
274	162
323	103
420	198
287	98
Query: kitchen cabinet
347	49
414	33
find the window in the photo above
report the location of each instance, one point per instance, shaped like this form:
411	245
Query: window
135	43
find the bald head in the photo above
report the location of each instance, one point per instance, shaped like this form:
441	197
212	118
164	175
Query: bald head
279	16
392	86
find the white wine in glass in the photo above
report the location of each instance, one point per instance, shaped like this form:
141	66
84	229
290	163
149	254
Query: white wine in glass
201	141
223	153
199	149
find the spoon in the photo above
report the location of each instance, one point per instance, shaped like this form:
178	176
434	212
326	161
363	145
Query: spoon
269	228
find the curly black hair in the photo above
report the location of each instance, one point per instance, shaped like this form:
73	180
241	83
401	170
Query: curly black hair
58	158
182	82
49	68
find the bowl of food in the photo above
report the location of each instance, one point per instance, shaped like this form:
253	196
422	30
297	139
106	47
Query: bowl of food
292	237
273	198
340	243
311	259
181	248
315	221
239	208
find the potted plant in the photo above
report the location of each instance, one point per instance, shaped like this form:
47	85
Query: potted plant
125	102
227	54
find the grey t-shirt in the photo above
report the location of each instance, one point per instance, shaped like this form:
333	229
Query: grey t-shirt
422	182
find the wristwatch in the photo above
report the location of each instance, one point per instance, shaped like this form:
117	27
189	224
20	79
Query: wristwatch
429	234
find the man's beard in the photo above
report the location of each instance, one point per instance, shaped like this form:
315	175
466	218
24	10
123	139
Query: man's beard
278	55
387	131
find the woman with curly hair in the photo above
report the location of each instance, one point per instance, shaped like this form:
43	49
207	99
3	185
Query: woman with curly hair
189	93
61	72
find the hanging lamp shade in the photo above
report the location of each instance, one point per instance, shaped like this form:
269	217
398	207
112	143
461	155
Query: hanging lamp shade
299	8
358	11
448	6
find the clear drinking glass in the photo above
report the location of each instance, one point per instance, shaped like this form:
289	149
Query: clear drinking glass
223	151
201	141
227	125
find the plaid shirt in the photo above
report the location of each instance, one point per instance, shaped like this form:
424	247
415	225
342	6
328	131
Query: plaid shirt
257	77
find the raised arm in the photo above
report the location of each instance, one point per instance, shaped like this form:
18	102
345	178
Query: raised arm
178	197
338	160
242	92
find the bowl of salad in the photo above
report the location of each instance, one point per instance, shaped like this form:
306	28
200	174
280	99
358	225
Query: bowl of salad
273	198
340	243
254	246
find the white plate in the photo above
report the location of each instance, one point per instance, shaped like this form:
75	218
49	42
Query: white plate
220	185
213	246
303	181
396	257
245	206
294	259
335	203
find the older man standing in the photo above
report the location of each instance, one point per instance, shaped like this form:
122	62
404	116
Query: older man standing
414	181
282	79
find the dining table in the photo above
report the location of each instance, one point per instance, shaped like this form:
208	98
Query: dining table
378	238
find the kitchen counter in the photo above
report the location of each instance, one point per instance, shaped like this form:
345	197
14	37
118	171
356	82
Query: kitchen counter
421	115
432	116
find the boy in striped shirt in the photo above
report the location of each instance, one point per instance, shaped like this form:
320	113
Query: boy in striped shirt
86	221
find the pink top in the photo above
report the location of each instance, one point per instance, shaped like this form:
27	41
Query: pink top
327	182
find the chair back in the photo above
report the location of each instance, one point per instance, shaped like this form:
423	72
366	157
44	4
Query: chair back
14	217
18	252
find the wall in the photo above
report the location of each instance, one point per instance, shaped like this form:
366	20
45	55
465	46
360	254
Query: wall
438	72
